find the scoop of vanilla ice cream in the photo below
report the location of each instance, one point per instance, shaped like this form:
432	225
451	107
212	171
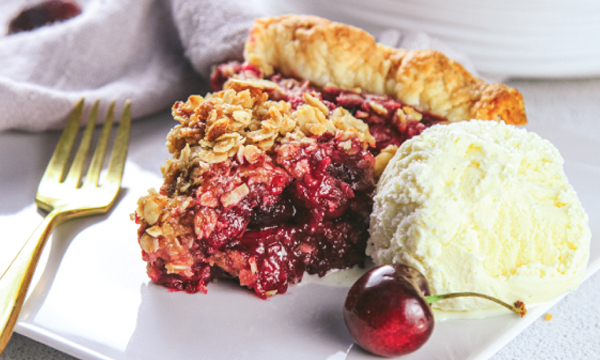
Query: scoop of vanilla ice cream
481	206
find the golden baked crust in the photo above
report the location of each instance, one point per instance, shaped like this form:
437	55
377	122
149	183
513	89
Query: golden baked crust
241	121
323	52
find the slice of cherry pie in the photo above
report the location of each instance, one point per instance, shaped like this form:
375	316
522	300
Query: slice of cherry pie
272	175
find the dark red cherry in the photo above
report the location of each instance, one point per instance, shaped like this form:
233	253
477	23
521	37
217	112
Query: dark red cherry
386	312
44	13
273	214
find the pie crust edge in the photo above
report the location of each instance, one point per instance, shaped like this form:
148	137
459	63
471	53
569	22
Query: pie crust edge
325	52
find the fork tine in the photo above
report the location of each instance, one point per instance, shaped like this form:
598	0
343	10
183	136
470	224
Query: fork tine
74	176
60	158
119	152
91	178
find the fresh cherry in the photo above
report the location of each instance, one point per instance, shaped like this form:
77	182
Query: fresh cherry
42	14
388	311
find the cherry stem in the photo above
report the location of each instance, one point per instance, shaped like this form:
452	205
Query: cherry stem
518	308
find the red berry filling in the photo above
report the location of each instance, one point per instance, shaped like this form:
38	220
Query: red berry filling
306	210
380	112
299	205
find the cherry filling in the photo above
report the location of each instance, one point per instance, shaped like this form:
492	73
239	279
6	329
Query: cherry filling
306	210
390	122
300	207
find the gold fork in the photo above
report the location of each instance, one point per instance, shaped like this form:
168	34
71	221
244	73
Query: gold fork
65	198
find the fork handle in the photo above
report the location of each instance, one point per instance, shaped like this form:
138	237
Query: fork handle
16	279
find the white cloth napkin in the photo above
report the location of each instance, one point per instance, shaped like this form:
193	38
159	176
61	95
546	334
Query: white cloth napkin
152	52
115	49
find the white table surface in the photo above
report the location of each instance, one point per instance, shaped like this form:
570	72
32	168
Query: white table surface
572	333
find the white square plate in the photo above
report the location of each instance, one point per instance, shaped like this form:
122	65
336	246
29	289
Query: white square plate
92	299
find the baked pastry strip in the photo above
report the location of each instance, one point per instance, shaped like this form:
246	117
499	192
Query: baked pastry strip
325	52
